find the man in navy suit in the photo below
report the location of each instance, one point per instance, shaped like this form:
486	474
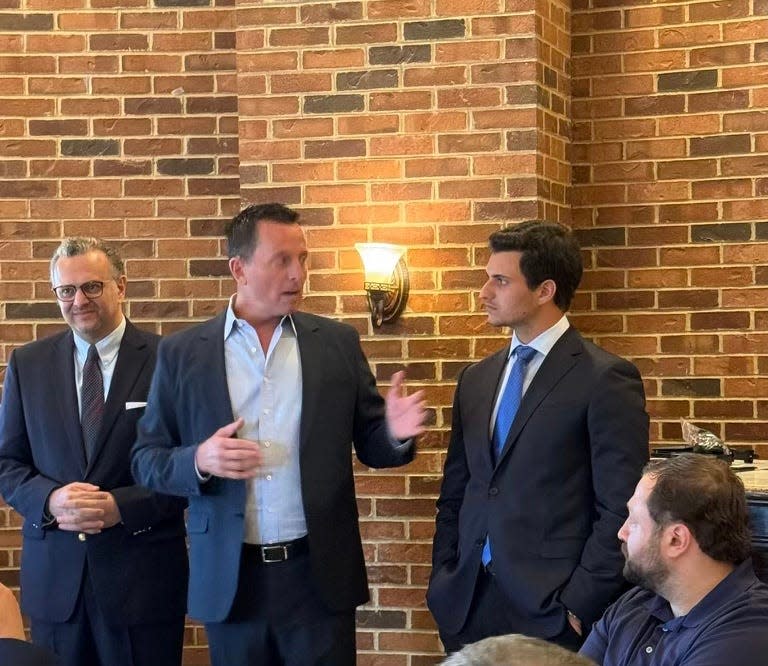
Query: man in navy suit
252	416
104	568
533	495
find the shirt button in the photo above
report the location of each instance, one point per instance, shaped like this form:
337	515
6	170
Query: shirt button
648	649
267	444
269	477
493	491
253	350
81	536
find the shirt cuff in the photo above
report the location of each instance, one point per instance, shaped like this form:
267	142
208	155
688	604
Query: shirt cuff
202	478
48	519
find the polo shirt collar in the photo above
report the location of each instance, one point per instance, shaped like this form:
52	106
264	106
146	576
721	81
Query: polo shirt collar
733	585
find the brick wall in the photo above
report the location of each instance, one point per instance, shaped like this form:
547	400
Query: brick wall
670	176
428	123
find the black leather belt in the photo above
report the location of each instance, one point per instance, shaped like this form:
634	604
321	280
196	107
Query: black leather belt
277	552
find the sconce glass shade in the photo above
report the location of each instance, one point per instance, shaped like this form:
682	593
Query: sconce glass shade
386	280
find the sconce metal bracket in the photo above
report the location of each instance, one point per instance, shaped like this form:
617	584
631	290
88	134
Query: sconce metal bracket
387	301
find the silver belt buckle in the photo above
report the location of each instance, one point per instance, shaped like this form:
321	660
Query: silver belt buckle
282	554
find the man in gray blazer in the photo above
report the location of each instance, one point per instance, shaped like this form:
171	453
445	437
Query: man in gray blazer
548	440
252	416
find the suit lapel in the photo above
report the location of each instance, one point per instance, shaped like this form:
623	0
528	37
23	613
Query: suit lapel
63	367
310	354
495	370
131	359
561	358
210	369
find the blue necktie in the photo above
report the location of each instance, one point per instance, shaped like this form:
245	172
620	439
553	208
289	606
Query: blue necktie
508	406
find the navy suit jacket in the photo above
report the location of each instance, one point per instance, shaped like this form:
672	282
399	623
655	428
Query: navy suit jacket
555	499
189	401
138	568
14	652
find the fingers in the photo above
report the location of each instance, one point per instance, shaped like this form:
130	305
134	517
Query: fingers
406	414
396	387
81	486
80	500
230	429
397	379
61	498
228	457
240	463
416	398
82	519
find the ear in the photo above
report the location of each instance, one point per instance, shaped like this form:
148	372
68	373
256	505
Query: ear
236	268
547	291
122	283
676	539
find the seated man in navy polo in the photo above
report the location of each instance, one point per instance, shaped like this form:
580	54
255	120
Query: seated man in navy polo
687	547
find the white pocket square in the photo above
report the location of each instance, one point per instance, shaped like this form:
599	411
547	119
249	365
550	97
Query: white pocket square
135	405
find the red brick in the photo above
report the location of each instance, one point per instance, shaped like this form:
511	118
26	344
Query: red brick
467	51
333	58
368	124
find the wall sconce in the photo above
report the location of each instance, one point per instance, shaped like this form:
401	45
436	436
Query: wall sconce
386	280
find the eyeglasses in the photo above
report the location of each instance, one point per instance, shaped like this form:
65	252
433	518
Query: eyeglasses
66	292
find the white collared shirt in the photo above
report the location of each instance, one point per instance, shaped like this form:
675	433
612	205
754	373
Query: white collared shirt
543	344
108	348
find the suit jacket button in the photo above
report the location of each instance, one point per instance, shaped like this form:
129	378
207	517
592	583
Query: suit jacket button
81	536
493	491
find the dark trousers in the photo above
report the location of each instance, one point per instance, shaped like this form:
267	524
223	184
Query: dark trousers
489	616
87	639
277	619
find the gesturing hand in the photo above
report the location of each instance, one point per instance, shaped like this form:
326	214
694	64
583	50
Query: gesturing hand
223	454
405	414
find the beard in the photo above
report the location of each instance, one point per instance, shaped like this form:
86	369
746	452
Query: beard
650	573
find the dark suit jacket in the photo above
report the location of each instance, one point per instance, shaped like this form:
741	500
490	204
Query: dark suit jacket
555	500
189	401
138	568
14	652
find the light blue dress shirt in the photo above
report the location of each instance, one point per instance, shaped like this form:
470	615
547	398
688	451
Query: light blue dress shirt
265	390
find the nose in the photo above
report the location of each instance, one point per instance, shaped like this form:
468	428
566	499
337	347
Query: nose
484	295
80	298
622	533
298	271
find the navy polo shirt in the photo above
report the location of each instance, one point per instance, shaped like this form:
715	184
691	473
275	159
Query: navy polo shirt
728	627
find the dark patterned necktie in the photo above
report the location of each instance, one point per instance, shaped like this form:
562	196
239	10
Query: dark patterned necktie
92	397
508	406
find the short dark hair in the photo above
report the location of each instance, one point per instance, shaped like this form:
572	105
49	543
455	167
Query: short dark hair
549	252
242	233
705	494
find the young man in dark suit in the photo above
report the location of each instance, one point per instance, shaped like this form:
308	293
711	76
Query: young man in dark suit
549	438
104	567
252	415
